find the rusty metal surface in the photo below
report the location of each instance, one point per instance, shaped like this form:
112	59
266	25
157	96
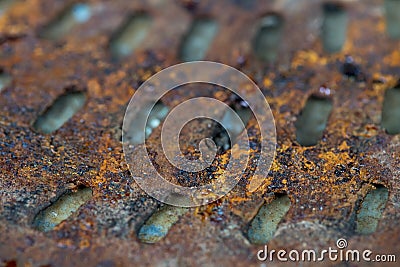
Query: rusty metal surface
325	183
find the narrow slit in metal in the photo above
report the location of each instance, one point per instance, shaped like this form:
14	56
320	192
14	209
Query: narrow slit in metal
391	111
63	109
158	225
264	225
198	39
371	210
334	27
267	40
61	209
130	35
312	120
69	18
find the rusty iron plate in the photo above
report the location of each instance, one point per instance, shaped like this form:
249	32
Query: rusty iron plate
326	183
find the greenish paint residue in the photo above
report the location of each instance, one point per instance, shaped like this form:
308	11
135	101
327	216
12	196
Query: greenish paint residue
392	9
198	39
371	210
61	209
334	27
391	111
264	225
158	225
312	121
267	40
72	16
60	112
130	36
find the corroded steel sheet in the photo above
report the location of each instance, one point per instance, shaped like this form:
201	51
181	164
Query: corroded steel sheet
325	183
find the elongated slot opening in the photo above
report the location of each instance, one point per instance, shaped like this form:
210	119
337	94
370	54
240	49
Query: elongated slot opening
70	17
334	27
61	209
371	210
264	225
131	35
198	39
63	109
267	40
312	121
391	111
158	225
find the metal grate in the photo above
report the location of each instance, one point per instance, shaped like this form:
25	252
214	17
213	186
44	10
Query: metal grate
48	47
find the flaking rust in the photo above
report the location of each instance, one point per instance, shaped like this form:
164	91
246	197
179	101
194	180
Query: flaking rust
325	183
